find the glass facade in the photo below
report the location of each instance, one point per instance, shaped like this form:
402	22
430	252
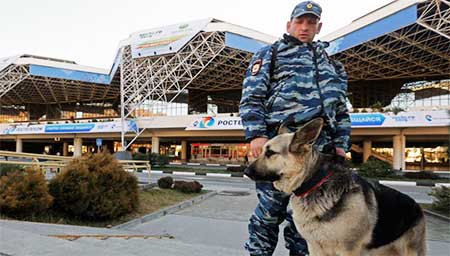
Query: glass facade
423	96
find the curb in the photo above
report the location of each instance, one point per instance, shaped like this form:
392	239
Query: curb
204	164
241	175
144	186
436	215
165	211
401	183
211	174
413	183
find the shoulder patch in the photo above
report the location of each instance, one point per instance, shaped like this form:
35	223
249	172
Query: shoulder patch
256	67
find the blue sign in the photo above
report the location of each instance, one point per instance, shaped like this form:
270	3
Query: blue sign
376	29
99	142
84	76
69	127
367	119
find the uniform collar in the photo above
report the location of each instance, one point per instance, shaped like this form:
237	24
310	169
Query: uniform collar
318	45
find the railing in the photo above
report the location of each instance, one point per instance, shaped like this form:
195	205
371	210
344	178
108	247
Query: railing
373	153
51	163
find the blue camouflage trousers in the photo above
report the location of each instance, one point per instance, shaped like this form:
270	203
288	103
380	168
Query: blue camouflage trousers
263	228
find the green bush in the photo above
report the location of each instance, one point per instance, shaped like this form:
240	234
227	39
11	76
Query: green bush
442	199
24	192
236	169
377	106
155	159
140	157
165	182
421	175
397	110
188	187
375	168
7	168
160	160
95	187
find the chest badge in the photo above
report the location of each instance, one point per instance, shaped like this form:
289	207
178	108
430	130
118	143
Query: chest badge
256	67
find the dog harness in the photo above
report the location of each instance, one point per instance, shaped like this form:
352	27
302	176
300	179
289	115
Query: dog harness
321	176
313	183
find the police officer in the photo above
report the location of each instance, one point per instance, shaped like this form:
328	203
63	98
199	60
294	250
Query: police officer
290	83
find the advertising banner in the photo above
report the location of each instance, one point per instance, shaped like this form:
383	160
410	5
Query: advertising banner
164	40
359	120
216	123
99	127
402	119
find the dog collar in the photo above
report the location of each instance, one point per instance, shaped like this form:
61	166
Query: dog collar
312	183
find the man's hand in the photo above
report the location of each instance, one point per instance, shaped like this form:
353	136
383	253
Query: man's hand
340	152
256	145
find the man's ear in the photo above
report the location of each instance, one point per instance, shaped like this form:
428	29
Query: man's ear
288	26
319	27
307	134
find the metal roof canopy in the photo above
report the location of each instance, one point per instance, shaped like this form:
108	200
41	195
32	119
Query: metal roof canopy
405	39
29	79
215	59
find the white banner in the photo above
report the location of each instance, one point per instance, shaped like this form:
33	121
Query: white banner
165	40
98	127
402	119
216	123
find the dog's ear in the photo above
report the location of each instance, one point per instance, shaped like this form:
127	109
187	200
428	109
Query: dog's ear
307	134
283	129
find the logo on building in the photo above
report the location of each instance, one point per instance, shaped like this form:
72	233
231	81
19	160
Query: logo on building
206	122
429	118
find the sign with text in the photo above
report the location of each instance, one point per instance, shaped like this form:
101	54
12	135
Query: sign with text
216	123
164	40
68	128
402	119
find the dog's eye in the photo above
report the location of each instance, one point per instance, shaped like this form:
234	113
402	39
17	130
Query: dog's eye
270	153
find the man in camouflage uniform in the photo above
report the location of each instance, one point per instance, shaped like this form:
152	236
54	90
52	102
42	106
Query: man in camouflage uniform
290	83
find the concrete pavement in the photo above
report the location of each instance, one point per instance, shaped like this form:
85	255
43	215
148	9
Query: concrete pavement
216	226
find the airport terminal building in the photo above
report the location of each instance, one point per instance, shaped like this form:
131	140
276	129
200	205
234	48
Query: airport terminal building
175	90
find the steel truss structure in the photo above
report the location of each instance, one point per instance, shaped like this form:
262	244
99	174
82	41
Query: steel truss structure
18	87
204	65
418	51
9	78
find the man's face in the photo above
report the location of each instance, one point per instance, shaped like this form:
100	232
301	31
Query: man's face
304	28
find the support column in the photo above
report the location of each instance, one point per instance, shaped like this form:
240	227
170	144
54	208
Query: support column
367	150
155	145
77	144
183	150
65	148
19	145
399	152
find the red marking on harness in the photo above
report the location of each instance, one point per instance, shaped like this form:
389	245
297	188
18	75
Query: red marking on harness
316	186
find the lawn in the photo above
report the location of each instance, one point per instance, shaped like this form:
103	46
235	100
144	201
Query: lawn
151	200
429	207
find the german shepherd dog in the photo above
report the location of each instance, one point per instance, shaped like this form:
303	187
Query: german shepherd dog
335	210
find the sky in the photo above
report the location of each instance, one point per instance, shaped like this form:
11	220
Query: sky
89	31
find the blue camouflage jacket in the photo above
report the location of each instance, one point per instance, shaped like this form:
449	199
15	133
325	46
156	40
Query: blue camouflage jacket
305	84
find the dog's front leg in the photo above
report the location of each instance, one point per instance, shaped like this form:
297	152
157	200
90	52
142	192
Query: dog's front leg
357	250
316	249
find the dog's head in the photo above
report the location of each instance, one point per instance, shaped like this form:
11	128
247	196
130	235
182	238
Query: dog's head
288	158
